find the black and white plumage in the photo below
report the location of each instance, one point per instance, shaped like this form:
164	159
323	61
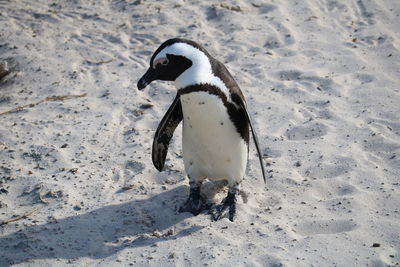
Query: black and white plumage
215	121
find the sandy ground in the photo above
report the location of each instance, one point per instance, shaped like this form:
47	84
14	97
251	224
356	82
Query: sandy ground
77	185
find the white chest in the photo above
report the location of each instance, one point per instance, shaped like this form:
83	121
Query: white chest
212	147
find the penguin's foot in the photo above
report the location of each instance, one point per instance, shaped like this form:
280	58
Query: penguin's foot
227	206
196	203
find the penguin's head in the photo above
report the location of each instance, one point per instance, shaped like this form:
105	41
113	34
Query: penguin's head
172	59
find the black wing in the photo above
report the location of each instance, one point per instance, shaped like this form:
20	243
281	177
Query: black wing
164	133
237	96
255	138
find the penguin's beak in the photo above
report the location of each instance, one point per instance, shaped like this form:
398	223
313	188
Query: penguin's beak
147	78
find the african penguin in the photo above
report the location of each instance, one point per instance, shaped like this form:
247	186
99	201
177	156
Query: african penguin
215	121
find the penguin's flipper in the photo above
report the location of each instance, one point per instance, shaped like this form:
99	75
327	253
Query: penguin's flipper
255	138
164	133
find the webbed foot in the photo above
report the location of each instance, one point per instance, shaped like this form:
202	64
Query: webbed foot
196	203
227	206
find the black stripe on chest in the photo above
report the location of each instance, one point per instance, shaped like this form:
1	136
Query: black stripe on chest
236	114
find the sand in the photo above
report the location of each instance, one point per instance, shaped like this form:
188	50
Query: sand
77	185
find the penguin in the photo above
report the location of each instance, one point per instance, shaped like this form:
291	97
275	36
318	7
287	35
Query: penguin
216	122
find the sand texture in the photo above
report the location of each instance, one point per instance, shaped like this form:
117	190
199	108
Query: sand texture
77	185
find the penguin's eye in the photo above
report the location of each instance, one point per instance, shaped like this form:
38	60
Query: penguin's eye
161	61
165	62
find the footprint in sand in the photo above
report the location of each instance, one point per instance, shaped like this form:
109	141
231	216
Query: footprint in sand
313	83
335	168
324	227
382	148
45	17
306	131
346	189
280	37
135	166
364	78
365	13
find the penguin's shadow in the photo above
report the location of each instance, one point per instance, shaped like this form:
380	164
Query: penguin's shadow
100	233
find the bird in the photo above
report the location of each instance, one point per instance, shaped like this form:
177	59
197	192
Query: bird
216	122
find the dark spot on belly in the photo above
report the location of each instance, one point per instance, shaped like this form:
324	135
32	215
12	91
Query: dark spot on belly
188	118
190	126
202	103
222	123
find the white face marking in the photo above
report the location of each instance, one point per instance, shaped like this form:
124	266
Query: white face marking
199	72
